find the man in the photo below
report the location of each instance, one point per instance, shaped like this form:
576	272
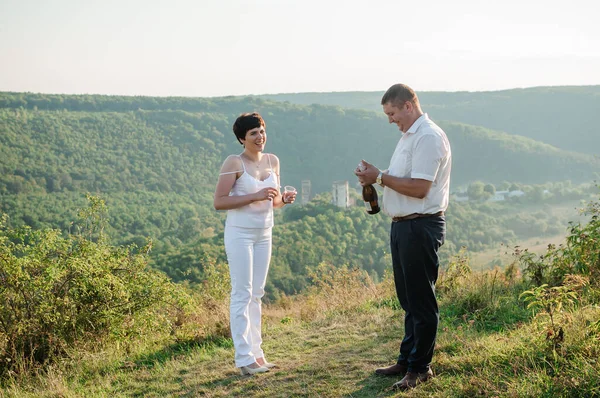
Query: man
415	195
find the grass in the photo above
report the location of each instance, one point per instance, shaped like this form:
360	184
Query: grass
328	343
335	355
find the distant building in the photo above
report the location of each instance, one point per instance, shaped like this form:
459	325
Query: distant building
499	196
459	197
340	194
305	198
516	193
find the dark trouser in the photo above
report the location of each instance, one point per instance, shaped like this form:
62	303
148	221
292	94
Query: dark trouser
414	245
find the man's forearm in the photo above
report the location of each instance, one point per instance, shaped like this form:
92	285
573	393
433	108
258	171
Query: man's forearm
413	187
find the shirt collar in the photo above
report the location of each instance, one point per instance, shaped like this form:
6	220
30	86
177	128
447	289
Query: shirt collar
415	126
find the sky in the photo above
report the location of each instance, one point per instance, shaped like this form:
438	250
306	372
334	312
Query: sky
206	48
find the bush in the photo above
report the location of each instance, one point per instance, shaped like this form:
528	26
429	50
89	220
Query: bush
580	255
57	291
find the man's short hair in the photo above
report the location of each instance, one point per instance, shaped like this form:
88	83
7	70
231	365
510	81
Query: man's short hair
399	94
245	122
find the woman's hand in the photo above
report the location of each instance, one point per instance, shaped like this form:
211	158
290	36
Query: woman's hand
265	194
289	197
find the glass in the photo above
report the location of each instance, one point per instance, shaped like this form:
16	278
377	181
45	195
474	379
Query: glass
288	192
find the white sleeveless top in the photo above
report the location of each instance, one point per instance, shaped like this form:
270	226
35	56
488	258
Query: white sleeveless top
254	215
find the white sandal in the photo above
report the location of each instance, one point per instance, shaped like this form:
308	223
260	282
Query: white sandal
246	370
266	364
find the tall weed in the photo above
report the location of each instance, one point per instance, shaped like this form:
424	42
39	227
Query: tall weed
487	300
339	289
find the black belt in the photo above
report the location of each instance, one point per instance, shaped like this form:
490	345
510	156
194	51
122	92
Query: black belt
416	215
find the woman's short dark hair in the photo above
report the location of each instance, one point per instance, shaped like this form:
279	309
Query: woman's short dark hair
245	122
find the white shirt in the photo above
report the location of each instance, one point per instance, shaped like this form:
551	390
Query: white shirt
254	215
423	152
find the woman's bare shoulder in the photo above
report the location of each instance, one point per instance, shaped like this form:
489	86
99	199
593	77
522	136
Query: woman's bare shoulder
231	164
274	159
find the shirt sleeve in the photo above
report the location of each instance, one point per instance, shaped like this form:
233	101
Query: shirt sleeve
427	157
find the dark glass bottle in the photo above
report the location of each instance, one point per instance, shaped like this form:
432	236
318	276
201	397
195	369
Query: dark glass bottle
371	199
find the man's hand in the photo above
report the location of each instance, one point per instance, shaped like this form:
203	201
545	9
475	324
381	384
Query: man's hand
368	175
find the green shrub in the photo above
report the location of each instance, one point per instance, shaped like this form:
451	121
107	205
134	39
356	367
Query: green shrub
57	291
580	255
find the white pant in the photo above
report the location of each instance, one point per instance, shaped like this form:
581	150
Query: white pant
248	254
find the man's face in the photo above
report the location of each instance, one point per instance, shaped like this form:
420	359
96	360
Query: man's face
399	115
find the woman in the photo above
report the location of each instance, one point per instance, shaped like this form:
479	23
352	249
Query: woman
248	188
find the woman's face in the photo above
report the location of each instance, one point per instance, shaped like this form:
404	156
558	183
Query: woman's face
255	139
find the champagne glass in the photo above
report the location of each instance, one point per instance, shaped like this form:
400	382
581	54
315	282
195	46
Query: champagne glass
288	192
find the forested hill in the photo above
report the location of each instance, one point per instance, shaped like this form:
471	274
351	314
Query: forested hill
564	117
98	143
156	162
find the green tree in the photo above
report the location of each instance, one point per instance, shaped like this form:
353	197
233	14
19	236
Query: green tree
489	188
475	190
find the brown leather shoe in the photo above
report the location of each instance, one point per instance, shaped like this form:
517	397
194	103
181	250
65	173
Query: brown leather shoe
394	370
412	379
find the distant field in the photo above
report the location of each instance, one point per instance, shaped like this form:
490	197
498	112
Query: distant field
502	255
